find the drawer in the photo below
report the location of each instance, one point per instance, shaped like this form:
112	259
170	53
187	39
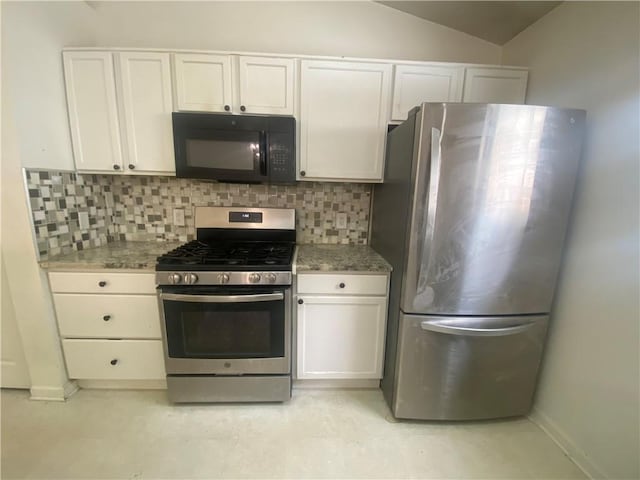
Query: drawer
133	359
107	316
342	284
107	282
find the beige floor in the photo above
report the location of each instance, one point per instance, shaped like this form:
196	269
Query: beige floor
318	434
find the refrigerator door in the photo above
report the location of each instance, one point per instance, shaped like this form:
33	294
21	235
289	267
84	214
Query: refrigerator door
493	190
463	368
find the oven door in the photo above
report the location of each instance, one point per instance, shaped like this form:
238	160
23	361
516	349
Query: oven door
226	331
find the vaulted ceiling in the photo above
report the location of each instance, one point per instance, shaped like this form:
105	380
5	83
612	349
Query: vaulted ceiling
496	22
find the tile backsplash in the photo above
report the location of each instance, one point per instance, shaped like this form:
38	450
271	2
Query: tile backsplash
74	211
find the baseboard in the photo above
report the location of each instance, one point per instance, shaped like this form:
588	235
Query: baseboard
566	444
336	384
49	394
70	388
124	384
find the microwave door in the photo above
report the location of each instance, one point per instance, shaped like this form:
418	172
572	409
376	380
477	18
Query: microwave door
224	155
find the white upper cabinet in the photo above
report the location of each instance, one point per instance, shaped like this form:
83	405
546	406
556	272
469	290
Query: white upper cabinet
93	110
266	85
147	105
120	111
120	104
414	84
495	85
235	84
203	82
344	109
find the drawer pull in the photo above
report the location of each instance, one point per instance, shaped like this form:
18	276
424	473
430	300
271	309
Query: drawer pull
342	285
114	361
300	301
106	318
102	283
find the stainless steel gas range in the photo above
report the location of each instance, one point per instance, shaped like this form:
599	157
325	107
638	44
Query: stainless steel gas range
225	304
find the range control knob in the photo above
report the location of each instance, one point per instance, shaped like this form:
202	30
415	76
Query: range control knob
223	278
254	277
175	278
190	278
270	277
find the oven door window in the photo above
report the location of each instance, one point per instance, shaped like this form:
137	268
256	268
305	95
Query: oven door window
225	329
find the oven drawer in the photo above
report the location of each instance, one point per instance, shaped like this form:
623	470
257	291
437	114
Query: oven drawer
342	284
84	282
107	316
114	359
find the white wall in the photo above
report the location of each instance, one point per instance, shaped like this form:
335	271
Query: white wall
34	34
357	29
15	371
27	283
586	55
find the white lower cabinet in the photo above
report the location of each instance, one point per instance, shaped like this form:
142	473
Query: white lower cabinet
341	336
109	324
114	359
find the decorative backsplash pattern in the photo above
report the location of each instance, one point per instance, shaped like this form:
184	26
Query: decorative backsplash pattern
69	211
74	211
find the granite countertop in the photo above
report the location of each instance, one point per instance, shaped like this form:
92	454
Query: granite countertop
339	258
116	255
142	256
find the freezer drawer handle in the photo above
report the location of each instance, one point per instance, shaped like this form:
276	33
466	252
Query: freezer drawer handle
442	327
266	297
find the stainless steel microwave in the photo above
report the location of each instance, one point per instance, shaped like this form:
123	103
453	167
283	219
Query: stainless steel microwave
235	148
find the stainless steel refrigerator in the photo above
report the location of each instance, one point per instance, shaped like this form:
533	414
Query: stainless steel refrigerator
472	216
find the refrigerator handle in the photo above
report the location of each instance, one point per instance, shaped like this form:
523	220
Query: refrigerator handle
426	256
445	327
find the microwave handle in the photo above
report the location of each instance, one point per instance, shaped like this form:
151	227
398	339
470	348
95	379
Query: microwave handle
264	142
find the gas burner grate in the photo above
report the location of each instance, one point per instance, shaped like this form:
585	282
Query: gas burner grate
221	254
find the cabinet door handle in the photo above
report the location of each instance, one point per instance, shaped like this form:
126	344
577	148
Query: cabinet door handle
131	166
116	167
227	108
114	361
303	173
102	283
300	301
106	318
242	108
342	285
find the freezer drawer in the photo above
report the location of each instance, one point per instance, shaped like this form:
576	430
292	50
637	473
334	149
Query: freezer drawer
464	368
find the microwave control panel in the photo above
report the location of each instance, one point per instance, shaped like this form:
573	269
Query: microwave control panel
282	161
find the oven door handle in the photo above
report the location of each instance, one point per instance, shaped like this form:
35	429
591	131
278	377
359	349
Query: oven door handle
263	297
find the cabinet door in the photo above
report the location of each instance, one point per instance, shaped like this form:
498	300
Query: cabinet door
93	111
266	85
343	120
494	85
341	337
146	105
415	84
203	82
